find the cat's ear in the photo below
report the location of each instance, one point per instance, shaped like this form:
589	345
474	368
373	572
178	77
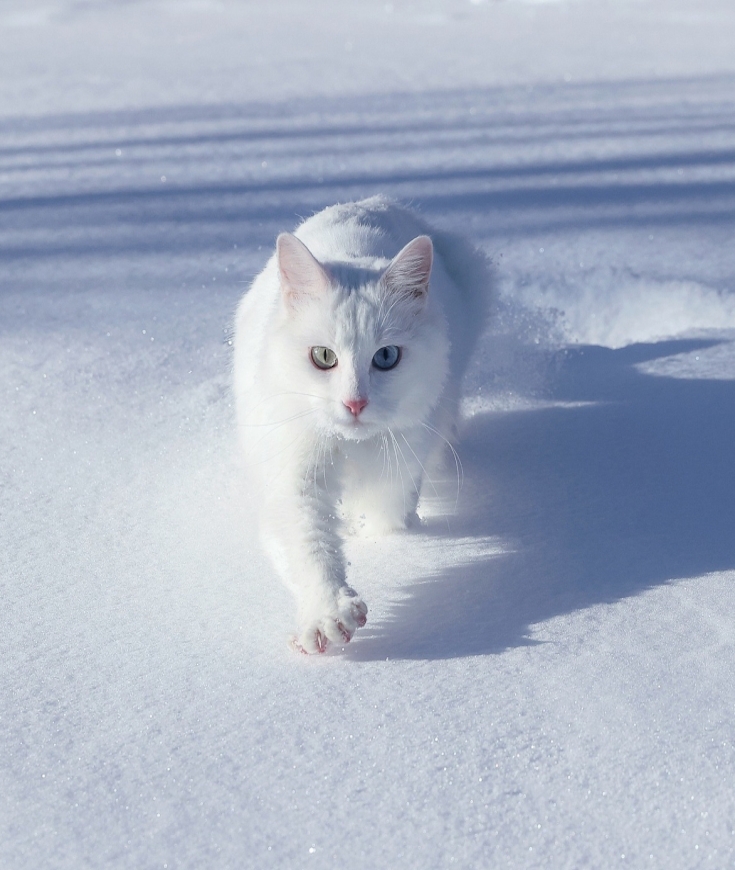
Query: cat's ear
410	269
302	276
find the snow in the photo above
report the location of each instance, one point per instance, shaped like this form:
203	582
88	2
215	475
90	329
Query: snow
545	680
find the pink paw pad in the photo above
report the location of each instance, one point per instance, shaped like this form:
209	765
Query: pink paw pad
296	646
321	641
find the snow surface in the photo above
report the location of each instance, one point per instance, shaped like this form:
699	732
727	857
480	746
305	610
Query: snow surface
548	678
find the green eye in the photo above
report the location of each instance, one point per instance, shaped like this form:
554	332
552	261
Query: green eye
387	357
323	357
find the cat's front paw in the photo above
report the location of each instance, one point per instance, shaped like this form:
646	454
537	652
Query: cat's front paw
336	623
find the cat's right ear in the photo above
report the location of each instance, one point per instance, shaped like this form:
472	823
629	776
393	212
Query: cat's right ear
409	271
302	276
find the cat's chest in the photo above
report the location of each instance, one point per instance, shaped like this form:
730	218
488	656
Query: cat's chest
356	461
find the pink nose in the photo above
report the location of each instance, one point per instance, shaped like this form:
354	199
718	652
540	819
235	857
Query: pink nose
356	405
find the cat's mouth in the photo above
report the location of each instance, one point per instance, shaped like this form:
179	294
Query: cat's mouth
355	430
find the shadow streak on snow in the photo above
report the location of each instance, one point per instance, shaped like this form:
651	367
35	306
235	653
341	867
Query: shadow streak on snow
597	502
239	174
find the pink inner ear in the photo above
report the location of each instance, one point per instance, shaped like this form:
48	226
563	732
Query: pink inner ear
410	270
302	276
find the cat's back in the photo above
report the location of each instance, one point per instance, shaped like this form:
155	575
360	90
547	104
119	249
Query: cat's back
371	232
368	232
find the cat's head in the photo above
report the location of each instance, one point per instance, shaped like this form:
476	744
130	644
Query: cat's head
364	348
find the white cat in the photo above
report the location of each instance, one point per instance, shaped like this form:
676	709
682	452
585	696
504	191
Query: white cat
349	350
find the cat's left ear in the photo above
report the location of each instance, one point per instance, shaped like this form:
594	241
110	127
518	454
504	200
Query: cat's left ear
302	275
410	269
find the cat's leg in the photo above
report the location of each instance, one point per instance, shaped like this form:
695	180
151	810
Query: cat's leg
301	531
383	478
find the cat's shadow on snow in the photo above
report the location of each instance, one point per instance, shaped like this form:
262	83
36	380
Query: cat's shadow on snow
627	483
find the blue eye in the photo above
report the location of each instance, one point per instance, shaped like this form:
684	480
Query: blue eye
387	357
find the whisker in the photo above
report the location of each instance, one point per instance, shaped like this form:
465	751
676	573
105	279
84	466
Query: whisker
431	482
421	465
457	461
278	422
381	448
314	467
276	426
324	463
398	467
408	469
308	467
390	461
289	393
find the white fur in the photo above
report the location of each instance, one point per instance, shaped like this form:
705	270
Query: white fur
353	284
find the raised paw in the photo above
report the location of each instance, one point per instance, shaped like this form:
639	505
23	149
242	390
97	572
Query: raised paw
336	623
